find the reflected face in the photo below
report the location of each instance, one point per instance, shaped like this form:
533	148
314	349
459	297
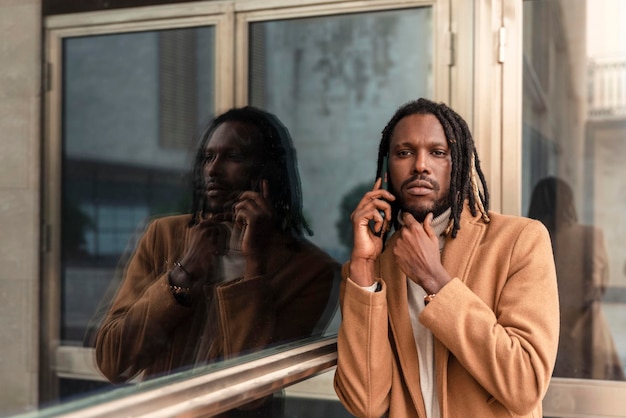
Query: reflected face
230	163
420	165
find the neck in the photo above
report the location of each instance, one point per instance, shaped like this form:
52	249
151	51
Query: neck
440	223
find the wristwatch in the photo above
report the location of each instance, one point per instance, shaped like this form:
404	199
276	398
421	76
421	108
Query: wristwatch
429	298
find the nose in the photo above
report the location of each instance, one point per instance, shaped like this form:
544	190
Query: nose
213	166
421	162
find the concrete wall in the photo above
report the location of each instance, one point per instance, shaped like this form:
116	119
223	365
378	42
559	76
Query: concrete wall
20	50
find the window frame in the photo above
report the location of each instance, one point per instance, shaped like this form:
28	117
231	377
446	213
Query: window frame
250	12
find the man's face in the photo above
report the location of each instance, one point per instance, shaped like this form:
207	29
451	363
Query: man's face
229	165
420	165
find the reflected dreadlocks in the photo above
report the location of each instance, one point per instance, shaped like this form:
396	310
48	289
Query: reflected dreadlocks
278	165
466	172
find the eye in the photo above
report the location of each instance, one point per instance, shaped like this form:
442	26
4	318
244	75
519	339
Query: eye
208	158
236	156
440	153
403	153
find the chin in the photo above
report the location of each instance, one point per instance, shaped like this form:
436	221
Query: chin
216	208
420	212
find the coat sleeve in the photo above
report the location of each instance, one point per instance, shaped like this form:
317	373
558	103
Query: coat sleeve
511	349
364	356
142	317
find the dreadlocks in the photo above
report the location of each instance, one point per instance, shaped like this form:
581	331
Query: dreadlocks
277	164
466	170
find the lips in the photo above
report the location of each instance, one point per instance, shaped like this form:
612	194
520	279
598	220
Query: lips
214	189
419	187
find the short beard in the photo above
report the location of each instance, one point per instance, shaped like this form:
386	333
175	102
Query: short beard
439	207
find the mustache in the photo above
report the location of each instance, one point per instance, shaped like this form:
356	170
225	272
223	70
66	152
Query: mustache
421	177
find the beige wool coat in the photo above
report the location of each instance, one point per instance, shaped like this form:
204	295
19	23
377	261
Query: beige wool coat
496	328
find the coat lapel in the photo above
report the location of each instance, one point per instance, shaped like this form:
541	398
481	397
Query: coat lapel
458	252
456	257
400	322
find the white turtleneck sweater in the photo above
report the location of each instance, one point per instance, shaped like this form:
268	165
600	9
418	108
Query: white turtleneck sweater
422	335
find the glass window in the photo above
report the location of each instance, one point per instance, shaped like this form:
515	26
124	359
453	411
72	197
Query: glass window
335	81
574	116
133	104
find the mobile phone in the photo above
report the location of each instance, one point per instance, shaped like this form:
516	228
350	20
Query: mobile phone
384	175
256	184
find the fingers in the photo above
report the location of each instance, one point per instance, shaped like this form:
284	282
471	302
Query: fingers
265	191
428	227
378	193
411	223
374	210
252	206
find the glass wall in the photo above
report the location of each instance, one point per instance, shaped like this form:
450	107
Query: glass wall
574	145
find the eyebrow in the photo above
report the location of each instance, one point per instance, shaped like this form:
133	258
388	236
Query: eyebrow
223	147
431	142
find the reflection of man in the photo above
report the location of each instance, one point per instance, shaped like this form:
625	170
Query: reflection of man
586	346
458	315
235	275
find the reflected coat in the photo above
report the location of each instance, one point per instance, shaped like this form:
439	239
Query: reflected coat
495	325
586	346
147	331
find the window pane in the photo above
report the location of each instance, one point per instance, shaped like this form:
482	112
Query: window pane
574	176
334	82
133	106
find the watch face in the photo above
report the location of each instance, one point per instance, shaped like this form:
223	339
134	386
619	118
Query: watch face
428	298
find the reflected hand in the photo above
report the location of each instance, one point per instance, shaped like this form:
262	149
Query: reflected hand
208	239
253	213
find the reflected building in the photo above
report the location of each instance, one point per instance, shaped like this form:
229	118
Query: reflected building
135	102
574	125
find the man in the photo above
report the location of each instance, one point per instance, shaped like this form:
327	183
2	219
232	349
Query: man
456	315
235	275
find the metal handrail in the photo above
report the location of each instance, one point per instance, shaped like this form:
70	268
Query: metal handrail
210	393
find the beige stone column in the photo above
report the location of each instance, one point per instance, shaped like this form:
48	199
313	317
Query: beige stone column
20	81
